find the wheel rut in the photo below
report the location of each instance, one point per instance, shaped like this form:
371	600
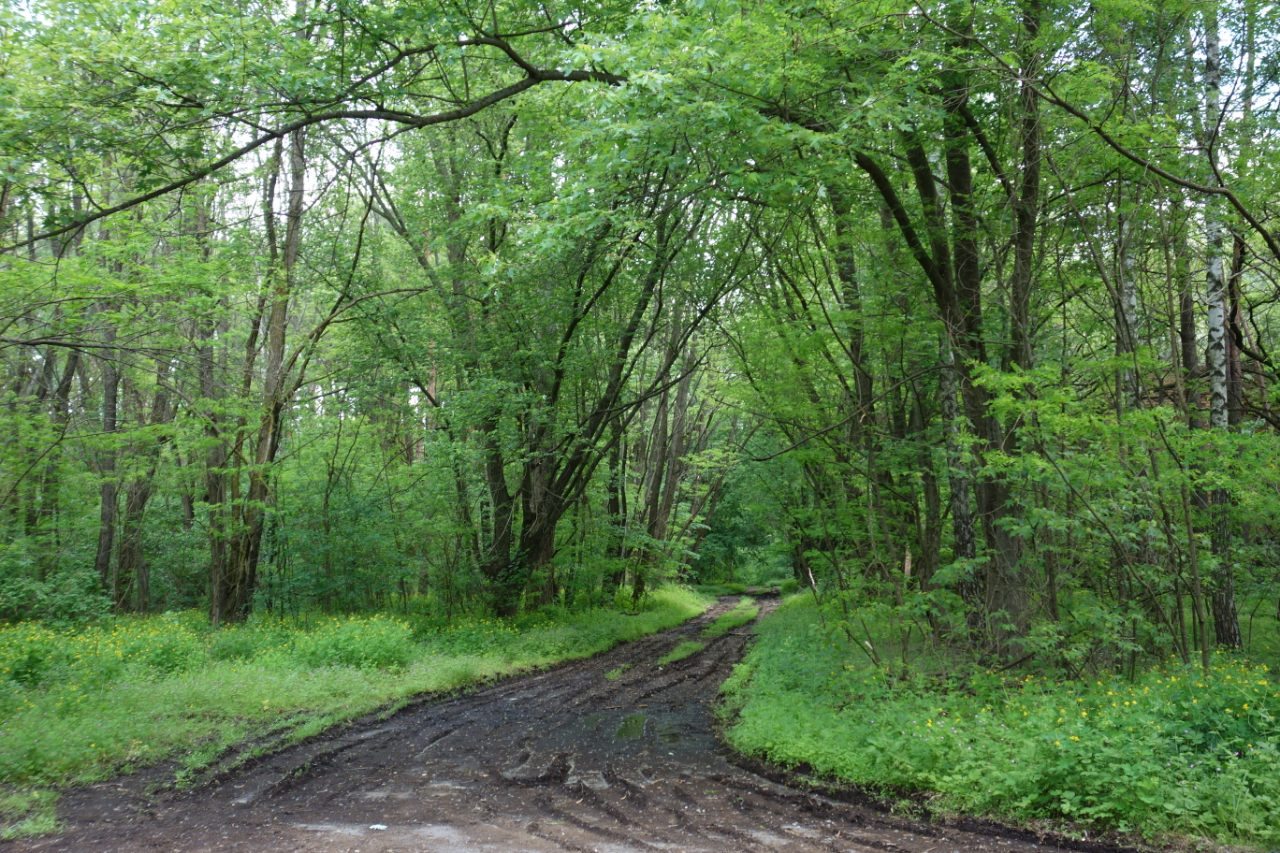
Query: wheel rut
563	760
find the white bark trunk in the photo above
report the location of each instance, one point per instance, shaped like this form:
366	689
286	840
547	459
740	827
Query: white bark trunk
1216	350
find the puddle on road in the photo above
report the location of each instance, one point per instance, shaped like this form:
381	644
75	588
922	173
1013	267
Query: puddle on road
685	730
632	727
612	744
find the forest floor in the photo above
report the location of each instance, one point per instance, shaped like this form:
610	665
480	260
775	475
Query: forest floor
613	753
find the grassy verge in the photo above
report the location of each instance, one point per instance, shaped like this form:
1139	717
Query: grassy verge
81	706
1169	754
744	612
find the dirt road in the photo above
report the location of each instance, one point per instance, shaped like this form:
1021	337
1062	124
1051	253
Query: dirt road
566	760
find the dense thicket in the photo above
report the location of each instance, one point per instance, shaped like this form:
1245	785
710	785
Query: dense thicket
961	312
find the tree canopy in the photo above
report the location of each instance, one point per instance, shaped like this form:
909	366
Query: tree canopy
959	311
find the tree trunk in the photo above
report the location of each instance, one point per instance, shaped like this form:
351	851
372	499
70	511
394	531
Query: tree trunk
240	578
497	568
1026	204
1129	392
1226	622
1235	322
655	470
963	531
851	301
50	482
107	490
616	506
131	565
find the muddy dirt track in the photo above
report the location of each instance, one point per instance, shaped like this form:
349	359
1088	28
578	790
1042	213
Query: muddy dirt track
564	760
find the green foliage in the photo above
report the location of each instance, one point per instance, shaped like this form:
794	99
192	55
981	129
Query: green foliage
166	644
733	537
70	598
1171	752
236	644
29	666
617	673
686	649
365	642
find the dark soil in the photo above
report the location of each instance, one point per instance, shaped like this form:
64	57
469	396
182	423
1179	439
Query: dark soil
564	760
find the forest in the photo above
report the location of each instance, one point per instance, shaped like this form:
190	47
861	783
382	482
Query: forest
952	320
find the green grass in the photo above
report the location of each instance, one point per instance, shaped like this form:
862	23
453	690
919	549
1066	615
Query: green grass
680	652
1171	754
744	612
78	706
24	813
617	673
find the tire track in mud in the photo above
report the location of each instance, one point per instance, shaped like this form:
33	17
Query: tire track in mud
563	760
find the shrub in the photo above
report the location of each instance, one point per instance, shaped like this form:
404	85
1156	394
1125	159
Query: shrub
29	669
164	645
235	644
375	642
72	598
27	653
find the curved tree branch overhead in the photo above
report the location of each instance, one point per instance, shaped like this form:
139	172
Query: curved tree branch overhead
187	118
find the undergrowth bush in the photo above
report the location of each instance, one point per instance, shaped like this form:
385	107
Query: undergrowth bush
236	645
366	642
165	644
1170	752
72	598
